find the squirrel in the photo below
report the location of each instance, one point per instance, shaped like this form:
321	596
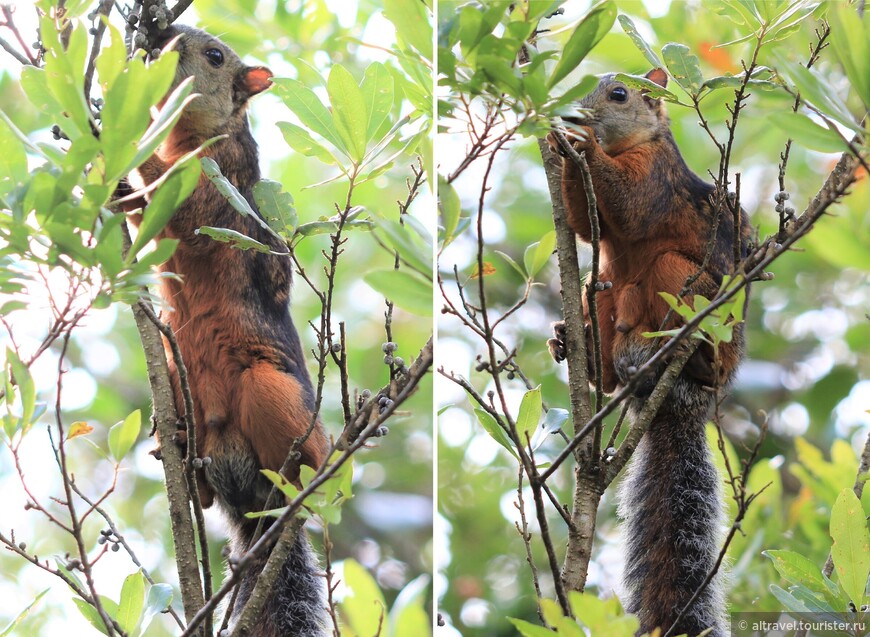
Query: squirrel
655	218
229	310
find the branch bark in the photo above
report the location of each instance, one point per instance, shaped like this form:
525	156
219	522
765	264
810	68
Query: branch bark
165	419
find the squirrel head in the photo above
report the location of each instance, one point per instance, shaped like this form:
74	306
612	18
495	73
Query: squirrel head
224	83
623	117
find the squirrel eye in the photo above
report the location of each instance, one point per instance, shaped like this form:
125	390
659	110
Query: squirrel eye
619	94
215	57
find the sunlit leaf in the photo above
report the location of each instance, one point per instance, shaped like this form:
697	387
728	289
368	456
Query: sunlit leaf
631	31
276	206
409	292
122	436
18	619
529	415
683	66
594	26
495	430
377	92
808	133
348	110
132	601
233	237
851	549
364	609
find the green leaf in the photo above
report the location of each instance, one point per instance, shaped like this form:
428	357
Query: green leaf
413	24
34	82
531	408
552	422
276	206
408	615
409	292
851	42
160	128
11	626
684	67
309	109
299	140
789	601
415	254
723	81
122	436
226	188
90	613
448	208
502	74
594	26
377	92
797	569
13	160
158	601
165	201
577	92
528	629
495	430
235	238
132	601
649	87
808	133
365	608
160	254
286	487
26	388
537	254
512	263
111	60
817	90
551	611
631	31
348	110
64	75
851	549
109	245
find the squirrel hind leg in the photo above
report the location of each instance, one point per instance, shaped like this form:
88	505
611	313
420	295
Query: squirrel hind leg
273	414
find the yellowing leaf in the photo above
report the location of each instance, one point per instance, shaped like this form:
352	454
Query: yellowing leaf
79	428
488	268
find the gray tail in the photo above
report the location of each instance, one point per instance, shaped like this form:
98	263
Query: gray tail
297	607
671	503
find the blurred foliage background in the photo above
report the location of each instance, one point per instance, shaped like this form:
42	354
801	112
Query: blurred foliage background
387	525
808	333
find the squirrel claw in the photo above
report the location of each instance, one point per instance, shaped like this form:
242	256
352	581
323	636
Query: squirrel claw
556	345
554	144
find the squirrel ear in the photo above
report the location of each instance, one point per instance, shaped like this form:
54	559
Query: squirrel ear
256	79
658	76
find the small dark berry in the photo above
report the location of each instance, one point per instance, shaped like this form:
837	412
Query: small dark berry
116	548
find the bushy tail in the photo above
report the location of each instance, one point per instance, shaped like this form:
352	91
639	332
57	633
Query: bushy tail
297	607
671	503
